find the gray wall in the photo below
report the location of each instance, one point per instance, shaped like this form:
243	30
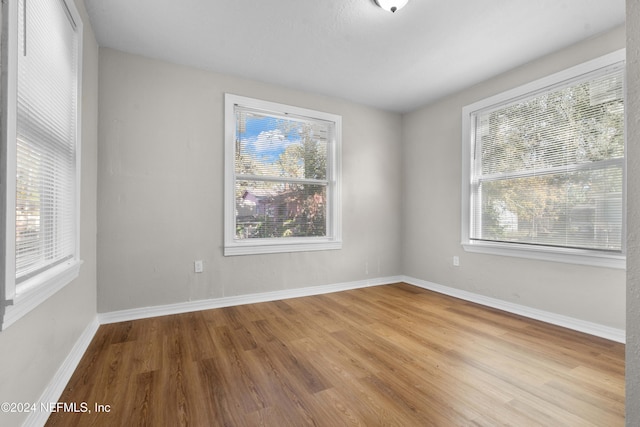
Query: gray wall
33	348
431	221
633	209
160	180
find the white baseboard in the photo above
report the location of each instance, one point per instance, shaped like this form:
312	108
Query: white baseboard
591	328
186	307
57	385
55	388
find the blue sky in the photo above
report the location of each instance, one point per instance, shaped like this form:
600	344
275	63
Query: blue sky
264	140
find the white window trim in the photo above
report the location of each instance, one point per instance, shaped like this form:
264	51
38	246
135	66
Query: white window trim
565	255
19	300
333	240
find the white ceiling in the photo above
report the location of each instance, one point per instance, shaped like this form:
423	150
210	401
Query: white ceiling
352	49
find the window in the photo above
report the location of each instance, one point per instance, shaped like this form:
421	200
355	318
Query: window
42	145
282	189
544	168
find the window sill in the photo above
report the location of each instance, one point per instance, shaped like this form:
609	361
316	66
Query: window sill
253	248
35	291
568	256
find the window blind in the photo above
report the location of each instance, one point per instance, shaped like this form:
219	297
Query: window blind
548	168
281	175
46	136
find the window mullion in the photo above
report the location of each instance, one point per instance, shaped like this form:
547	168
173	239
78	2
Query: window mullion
602	164
244	177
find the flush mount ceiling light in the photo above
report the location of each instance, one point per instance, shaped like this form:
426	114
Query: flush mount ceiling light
391	5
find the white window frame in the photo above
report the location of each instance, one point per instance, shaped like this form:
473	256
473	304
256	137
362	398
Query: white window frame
17	300
333	238
546	253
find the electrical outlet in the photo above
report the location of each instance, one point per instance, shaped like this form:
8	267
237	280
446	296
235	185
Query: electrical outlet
198	267
456	261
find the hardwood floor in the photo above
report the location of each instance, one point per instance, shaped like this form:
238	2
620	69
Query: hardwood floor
391	355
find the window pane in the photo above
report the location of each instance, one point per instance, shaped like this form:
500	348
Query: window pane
574	125
581	209
282	186
46	111
280	147
276	209
548	167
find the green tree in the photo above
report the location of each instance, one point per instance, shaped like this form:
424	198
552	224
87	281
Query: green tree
292	208
532	152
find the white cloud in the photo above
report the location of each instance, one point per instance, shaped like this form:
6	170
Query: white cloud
270	141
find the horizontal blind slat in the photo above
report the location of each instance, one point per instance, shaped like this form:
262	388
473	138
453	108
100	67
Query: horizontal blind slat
46	138
550	169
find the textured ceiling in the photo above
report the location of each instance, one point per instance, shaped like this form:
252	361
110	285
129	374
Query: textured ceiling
352	49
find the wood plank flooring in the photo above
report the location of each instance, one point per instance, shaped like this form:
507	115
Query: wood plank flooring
391	355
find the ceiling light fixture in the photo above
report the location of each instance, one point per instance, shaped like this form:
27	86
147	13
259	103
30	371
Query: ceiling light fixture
391	5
